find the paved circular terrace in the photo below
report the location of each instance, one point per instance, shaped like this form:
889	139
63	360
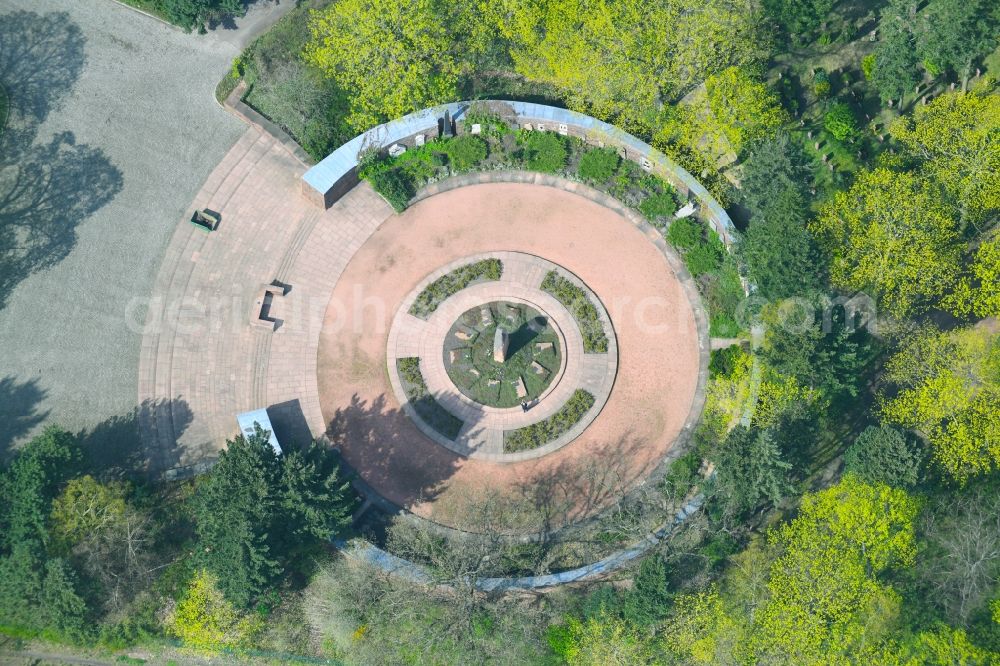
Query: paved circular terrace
482	435
322	370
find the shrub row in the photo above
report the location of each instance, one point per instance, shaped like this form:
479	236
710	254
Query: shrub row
595	341
543	432
451	283
429	409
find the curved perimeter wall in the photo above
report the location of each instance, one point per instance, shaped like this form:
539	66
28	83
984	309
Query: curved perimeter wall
326	182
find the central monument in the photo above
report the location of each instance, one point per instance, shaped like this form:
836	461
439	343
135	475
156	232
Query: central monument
501	340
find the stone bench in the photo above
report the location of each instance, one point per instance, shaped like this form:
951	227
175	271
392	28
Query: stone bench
267	305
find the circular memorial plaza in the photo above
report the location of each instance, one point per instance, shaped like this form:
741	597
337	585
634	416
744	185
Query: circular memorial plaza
590	381
509	334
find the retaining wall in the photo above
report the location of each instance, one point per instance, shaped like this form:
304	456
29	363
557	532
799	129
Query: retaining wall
327	181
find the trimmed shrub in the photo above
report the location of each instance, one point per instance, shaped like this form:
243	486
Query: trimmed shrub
464	152
840	122
821	83
423	403
599	164
451	283
658	206
543	151
396	186
595	341
868	66
543	432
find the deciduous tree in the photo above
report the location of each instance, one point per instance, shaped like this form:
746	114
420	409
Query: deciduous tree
948	388
954	138
395	56
890	233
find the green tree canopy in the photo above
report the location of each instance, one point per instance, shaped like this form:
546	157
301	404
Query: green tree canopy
890	233
883	454
953	34
254	512
395	56
750	470
800	19
948	388
895	71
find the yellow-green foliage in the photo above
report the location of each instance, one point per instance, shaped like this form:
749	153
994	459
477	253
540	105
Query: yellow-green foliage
949	390
727	395
618	59
814	595
945	647
395	56
979	294
892	234
701	631
86	506
205	621
742	109
777	394
602	641
955	137
826	603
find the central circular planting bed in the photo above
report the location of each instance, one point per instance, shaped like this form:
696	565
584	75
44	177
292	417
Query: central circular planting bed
503	354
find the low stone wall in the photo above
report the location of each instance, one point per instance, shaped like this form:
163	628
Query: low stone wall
235	105
327	181
364	551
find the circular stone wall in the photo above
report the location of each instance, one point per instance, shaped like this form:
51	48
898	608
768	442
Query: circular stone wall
660	350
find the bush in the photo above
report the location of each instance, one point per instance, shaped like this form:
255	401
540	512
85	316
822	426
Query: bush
882	454
543	151
868	66
595	341
658	206
702	249
395	185
464	152
599	164
539	434
821	83
451	283
723	362
840	122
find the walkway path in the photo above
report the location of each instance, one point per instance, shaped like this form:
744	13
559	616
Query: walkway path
124	105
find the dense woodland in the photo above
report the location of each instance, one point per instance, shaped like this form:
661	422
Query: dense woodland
853	514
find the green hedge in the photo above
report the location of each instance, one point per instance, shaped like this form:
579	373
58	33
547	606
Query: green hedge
543	432
451	283
595	341
429	409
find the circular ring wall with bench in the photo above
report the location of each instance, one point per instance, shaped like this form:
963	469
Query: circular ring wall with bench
551	387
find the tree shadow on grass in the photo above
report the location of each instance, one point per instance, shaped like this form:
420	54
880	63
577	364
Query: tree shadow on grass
18	411
46	188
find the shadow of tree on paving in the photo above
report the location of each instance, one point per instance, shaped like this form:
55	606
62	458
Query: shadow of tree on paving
116	448
18	411
46	188
381	445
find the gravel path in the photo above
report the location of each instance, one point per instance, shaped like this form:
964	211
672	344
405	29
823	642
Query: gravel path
114	128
